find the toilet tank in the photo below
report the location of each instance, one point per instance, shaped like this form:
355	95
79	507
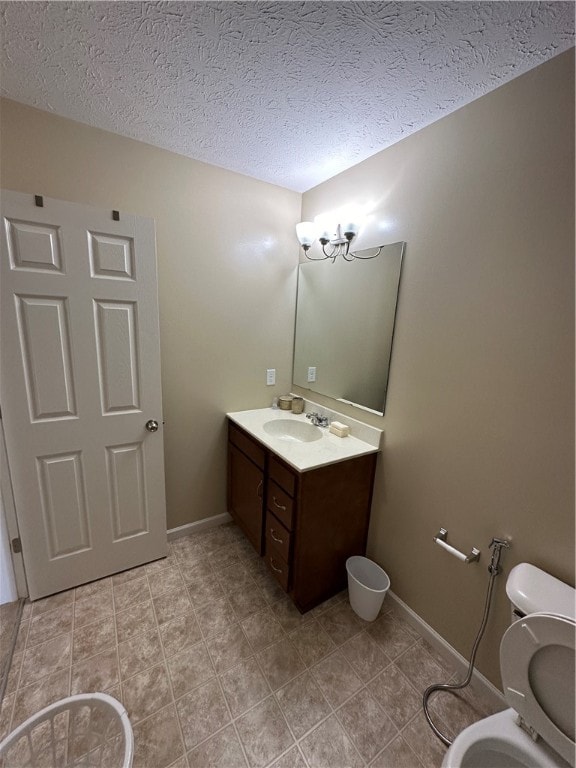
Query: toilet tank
531	590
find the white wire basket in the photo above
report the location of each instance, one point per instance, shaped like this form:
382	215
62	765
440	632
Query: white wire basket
90	730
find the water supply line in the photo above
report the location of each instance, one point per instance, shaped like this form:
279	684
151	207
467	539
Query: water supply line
496	545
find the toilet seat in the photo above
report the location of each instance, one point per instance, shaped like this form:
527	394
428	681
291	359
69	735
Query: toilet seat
537	665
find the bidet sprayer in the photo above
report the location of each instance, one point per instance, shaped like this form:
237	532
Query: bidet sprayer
496	545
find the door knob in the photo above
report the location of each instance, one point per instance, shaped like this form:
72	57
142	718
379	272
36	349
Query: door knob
152	426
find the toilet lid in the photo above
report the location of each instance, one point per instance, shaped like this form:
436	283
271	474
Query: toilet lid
537	665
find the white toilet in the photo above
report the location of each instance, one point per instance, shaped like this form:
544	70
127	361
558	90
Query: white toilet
538	677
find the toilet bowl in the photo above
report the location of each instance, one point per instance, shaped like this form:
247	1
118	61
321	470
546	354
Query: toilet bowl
538	674
498	742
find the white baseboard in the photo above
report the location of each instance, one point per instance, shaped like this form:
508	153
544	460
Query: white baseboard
478	683
199	525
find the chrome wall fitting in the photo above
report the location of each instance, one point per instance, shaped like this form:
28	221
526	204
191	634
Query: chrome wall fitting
441	539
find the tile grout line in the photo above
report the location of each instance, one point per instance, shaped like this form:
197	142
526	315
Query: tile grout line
334	709
120	680
220	687
17	689
271	609
308	670
365	688
273	693
233	720
173	702
407	741
218	677
16	685
295	740
72	630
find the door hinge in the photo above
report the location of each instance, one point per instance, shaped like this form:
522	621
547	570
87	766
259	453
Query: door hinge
16	545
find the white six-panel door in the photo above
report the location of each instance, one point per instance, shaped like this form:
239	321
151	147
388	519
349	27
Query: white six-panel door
80	379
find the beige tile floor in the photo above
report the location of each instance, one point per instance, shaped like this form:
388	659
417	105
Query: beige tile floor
216	667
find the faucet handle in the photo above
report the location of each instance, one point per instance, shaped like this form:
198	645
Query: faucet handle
318	419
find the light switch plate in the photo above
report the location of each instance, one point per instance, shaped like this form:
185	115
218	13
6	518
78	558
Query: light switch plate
270	376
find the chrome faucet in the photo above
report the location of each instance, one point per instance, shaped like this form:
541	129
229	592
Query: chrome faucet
317	419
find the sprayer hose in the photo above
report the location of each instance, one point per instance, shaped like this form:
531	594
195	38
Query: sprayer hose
466	681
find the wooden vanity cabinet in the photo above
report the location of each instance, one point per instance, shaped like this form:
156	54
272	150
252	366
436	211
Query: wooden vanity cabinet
310	522
246	467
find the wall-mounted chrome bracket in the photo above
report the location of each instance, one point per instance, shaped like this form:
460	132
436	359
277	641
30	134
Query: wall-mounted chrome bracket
441	539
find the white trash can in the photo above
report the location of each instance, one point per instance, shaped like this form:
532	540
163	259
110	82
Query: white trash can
367	586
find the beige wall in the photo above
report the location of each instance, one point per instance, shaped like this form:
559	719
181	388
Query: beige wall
227	259
479	422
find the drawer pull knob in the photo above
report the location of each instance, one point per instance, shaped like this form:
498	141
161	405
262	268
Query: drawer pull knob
279	541
278	570
278	506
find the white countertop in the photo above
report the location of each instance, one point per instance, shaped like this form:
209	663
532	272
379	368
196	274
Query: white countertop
330	449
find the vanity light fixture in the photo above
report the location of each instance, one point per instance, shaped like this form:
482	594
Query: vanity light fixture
338	242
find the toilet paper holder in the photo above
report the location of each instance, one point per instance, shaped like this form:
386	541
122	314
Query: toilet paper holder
441	539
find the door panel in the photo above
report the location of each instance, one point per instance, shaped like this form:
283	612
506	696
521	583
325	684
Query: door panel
64	503
111	257
33	246
45	351
117	347
127	490
80	377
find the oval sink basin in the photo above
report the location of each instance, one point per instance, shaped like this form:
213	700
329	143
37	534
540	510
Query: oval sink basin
293	431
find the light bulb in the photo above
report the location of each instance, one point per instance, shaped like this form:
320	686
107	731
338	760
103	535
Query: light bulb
306	233
350	229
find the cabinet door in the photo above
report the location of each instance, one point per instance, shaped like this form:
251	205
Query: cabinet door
333	512
245	496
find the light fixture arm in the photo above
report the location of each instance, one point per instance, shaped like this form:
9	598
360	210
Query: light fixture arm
332	247
352	256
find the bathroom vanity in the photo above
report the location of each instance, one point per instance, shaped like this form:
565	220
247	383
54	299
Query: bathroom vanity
302	496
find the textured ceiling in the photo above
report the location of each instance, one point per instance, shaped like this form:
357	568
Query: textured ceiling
288	92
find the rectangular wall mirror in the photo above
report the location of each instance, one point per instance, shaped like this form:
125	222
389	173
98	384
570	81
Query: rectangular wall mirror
345	317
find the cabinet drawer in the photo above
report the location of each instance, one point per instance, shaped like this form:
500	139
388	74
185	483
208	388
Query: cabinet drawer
280	504
248	446
278	536
277	565
280	473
